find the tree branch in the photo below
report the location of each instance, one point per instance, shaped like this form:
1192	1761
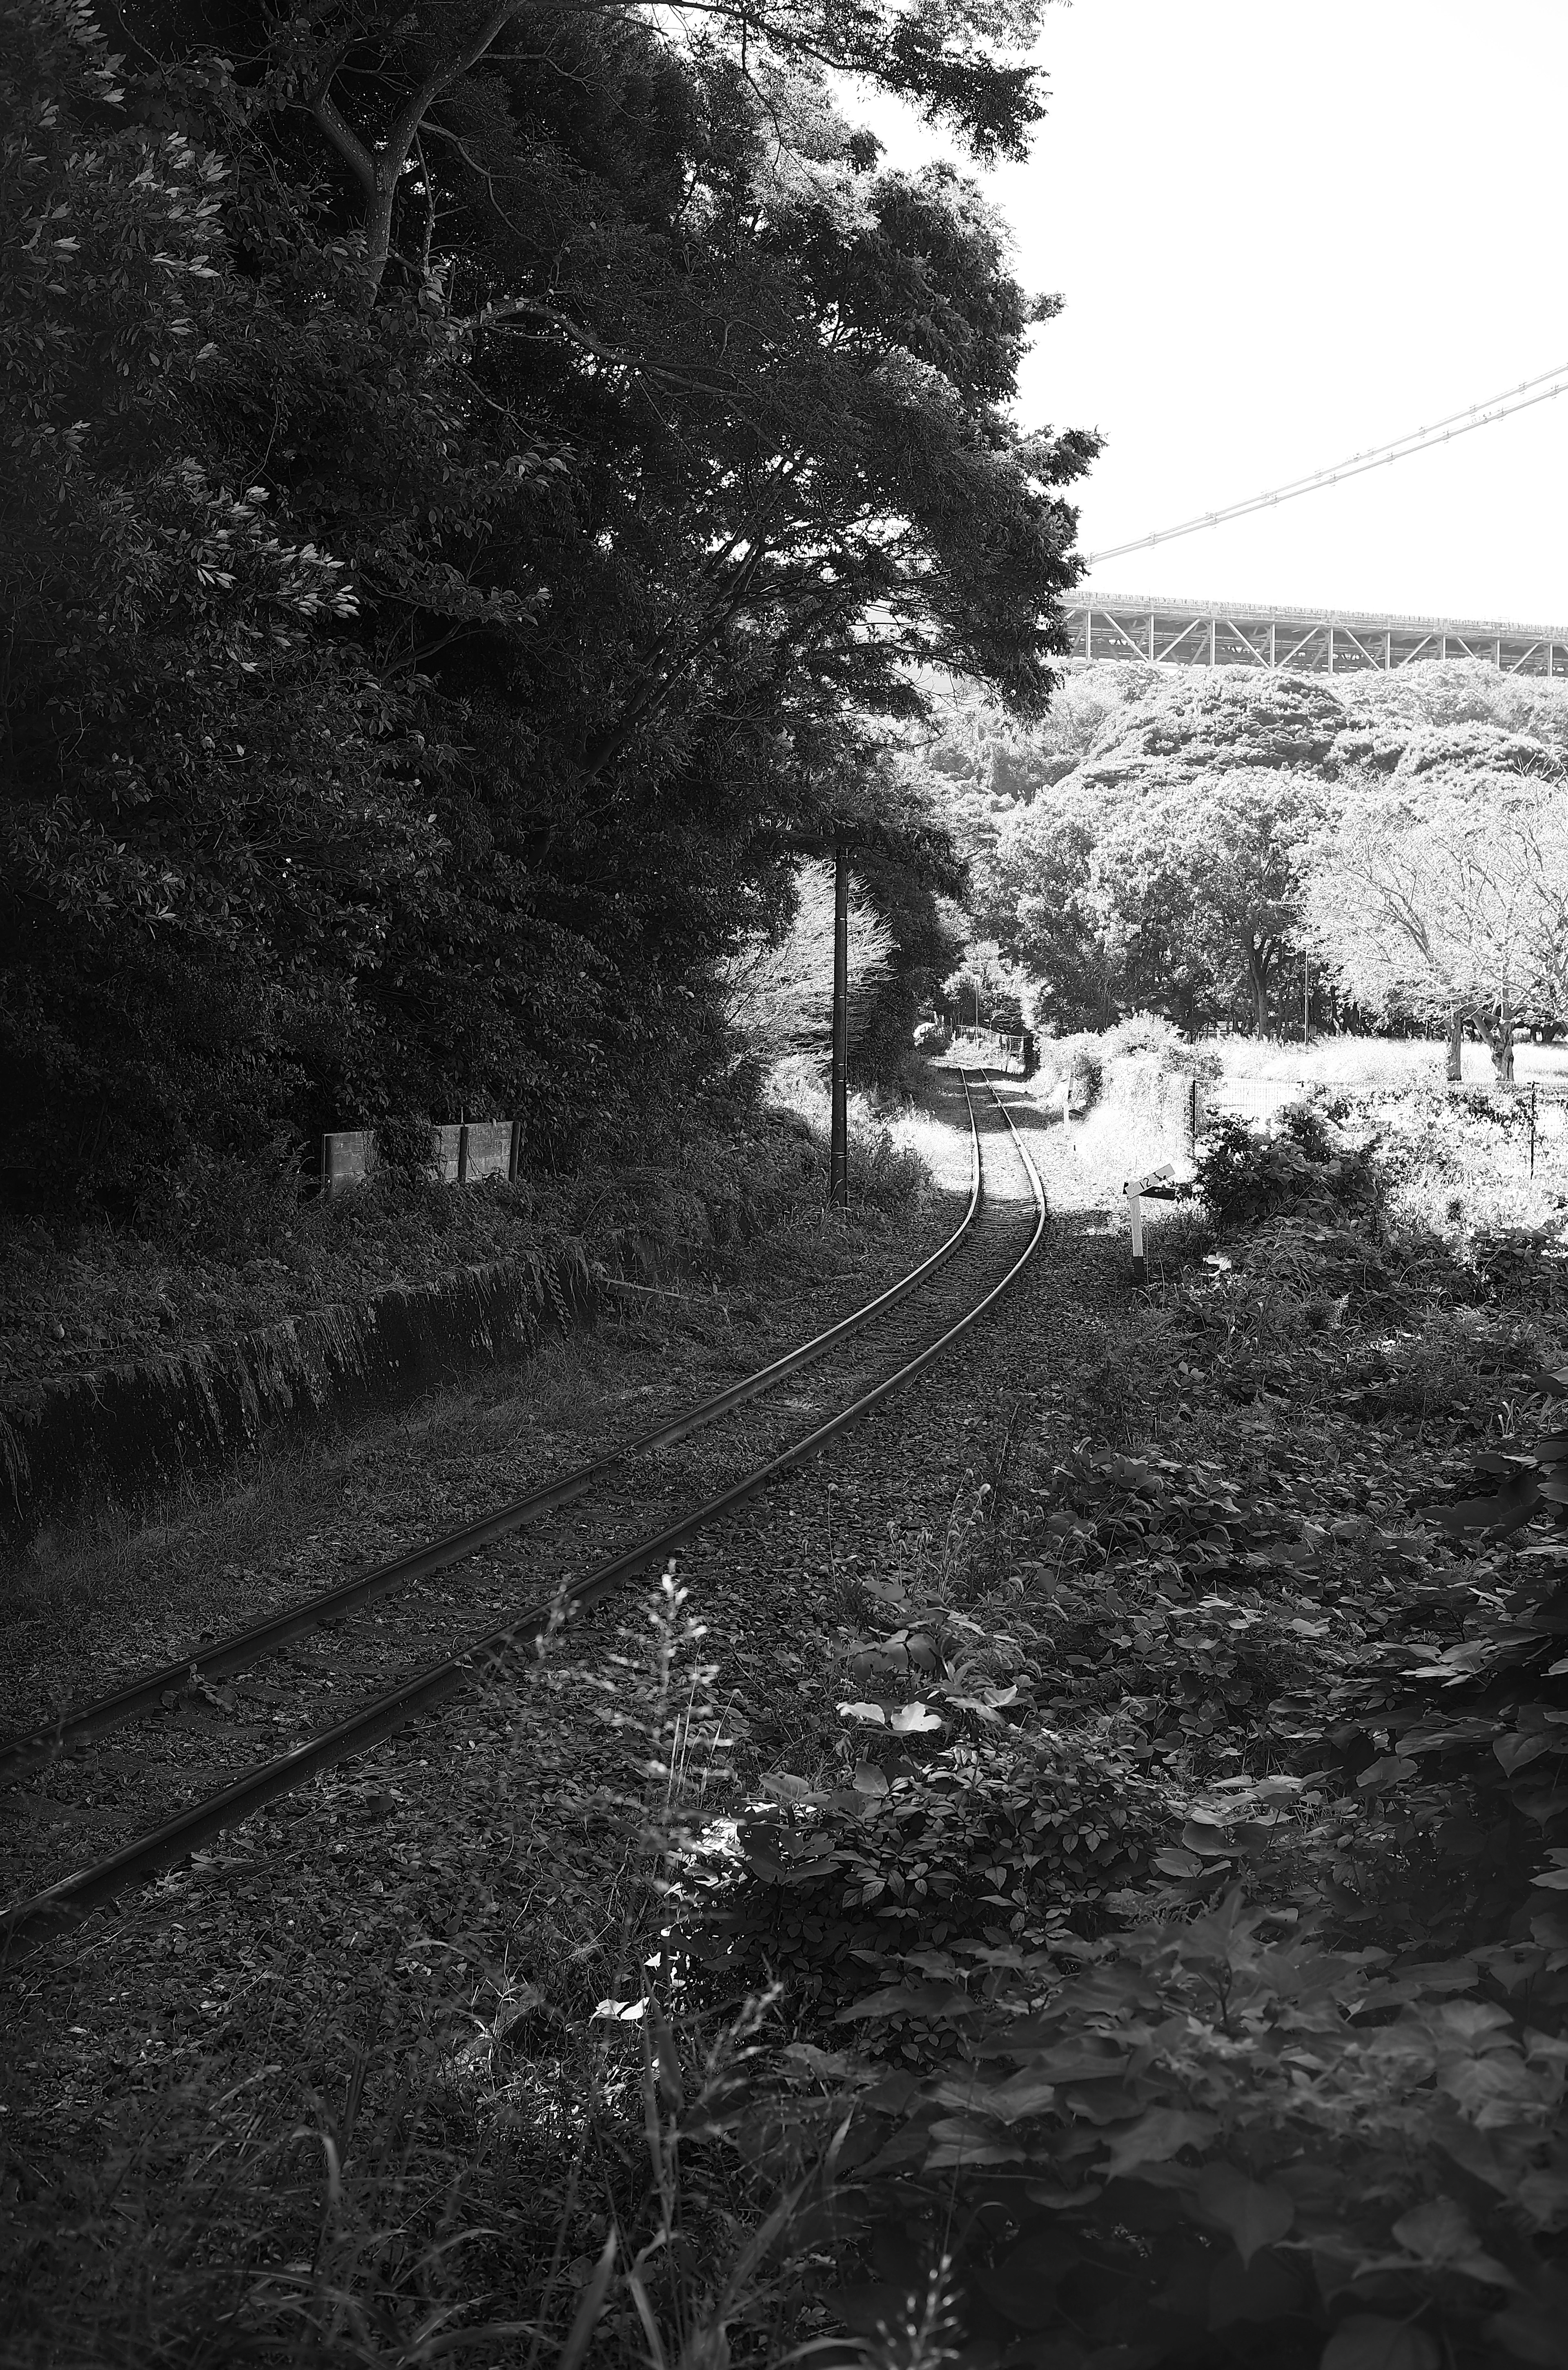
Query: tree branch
346	141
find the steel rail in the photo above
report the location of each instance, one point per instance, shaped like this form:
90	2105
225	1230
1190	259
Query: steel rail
74	1897
33	1750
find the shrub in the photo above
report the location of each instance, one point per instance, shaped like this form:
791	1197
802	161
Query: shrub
991	1845
1244	1176
1145	1032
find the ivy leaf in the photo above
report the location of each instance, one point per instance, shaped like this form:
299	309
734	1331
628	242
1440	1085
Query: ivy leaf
1254	2212
1367	2340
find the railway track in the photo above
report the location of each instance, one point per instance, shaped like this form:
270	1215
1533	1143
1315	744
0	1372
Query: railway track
840	1375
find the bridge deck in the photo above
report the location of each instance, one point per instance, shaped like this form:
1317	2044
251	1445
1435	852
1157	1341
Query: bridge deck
1310	642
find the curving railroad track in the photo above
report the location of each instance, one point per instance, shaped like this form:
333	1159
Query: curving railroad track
635	1502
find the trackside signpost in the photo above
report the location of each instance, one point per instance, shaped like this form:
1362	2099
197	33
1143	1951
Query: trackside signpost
1159	1185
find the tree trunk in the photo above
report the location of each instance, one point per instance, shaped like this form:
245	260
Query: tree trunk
1259	966
1456	1044
1500	1041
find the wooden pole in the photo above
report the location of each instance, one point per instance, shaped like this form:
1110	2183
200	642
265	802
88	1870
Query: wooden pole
839	1158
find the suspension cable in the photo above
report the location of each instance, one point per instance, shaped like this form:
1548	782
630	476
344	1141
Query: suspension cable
1458	423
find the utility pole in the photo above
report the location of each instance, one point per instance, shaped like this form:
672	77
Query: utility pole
838	1157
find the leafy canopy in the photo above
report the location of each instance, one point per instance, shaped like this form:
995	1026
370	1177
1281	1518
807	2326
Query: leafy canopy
479	484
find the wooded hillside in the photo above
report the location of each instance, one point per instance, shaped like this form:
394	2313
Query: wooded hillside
1204	844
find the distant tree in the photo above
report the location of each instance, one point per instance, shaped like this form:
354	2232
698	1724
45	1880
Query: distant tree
776	988
1039	897
1182	898
1444	891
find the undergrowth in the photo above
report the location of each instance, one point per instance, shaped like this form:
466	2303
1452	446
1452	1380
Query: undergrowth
1172	1972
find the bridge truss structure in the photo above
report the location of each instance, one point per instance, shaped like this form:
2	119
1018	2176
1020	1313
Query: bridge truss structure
1170	632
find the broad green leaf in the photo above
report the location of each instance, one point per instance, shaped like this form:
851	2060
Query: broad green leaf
872	1714
905	1999
869	2306
1254	2212
869	1778
1393	1769
1440	2234
1159	2133
1264	2290
1021	2095
913	1719
1213	1842
1503	1513
1530	2332
962	2140
1513	1752
1368	2342
1023	2287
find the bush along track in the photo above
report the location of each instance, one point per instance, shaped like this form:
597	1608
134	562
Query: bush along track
1175	1967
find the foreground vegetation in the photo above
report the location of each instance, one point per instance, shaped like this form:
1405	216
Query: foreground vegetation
1137	1945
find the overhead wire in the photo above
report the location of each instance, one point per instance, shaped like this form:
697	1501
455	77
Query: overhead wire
1529	391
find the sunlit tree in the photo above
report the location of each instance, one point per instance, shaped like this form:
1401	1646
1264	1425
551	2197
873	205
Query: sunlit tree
1444	891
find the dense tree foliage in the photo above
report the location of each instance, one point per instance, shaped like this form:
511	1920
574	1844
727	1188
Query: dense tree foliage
477	480
1180	841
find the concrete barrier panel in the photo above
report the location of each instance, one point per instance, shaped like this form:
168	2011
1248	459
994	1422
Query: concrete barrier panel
348	1158
490	1149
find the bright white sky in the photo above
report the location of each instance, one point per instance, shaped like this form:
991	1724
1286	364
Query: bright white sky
1286	234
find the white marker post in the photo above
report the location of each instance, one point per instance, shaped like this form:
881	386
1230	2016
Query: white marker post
1159	1185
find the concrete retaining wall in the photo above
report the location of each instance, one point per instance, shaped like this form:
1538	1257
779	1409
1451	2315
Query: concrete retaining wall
132	1432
